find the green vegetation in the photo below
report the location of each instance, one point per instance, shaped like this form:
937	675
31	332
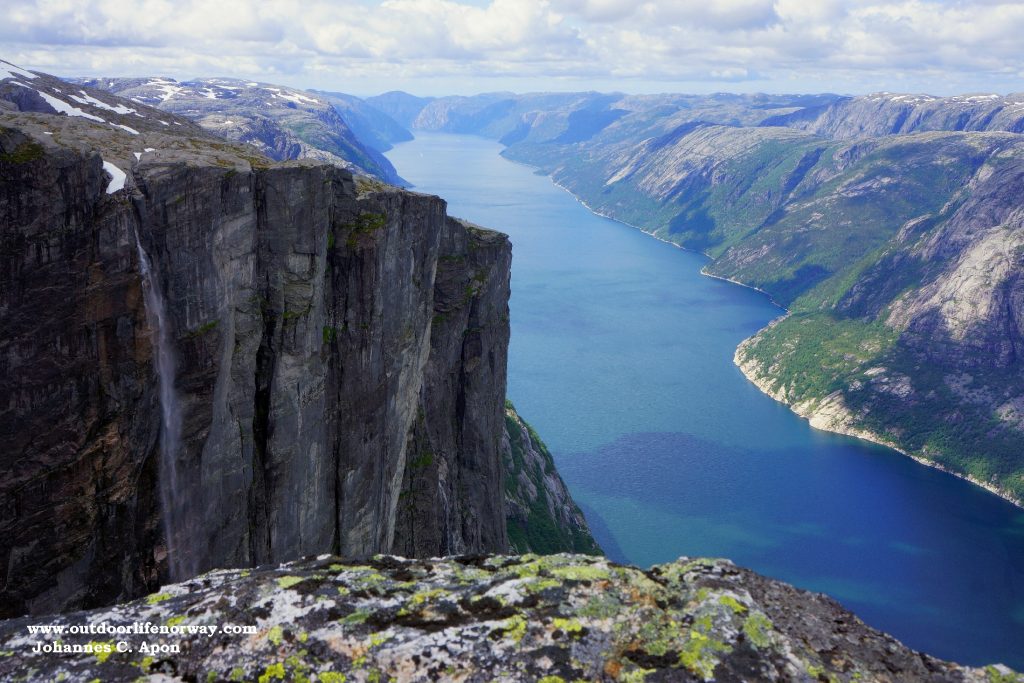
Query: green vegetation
364	224
24	153
540	531
891	391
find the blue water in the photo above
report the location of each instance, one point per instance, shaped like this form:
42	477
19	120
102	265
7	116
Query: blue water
621	357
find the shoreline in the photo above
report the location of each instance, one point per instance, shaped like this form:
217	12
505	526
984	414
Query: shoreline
841	421
851	431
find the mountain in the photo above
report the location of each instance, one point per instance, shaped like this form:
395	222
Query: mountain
372	126
400	106
528	618
282	123
889	226
891	114
212	359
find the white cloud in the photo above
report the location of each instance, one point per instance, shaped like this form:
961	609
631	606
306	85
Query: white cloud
851	45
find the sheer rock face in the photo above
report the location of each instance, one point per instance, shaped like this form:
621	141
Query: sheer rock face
479	618
321	336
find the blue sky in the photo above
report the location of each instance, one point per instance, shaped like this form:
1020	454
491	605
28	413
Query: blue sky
433	47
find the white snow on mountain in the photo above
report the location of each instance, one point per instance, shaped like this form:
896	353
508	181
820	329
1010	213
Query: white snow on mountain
89	99
8	70
117	177
63	107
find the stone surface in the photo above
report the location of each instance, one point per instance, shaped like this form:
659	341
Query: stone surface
478	618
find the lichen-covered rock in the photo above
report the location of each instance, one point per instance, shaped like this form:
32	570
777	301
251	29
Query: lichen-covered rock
474	618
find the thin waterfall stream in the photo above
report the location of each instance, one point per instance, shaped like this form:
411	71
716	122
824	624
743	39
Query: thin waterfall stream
170	411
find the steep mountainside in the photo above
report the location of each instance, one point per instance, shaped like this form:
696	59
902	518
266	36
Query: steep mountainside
542	516
898	255
282	123
211	360
890	114
372	126
550	619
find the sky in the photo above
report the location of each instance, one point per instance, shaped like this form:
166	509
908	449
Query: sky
441	47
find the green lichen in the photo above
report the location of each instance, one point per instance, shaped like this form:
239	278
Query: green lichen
174	621
732	603
581	573
994	675
101	650
421	597
275	635
637	675
571	626
289	581
699	653
513	628
378	639
157	598
273	672
357	617
331	677
758	629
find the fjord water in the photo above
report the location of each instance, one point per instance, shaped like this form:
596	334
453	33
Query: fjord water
621	357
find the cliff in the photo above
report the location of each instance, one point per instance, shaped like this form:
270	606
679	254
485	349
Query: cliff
211	360
475	618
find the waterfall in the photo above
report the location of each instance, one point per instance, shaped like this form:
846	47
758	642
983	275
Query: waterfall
170	410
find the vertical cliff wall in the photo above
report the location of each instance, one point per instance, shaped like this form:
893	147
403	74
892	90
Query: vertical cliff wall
340	367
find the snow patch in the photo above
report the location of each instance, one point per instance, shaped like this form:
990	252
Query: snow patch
138	156
62	107
127	128
117	177
296	97
148	149
86	98
8	70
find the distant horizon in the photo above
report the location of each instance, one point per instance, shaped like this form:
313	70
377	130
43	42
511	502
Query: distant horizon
439	47
442	94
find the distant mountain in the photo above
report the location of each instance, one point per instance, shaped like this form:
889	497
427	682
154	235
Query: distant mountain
400	106
283	123
372	126
891	114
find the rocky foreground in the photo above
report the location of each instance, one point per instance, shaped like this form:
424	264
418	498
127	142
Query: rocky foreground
477	618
